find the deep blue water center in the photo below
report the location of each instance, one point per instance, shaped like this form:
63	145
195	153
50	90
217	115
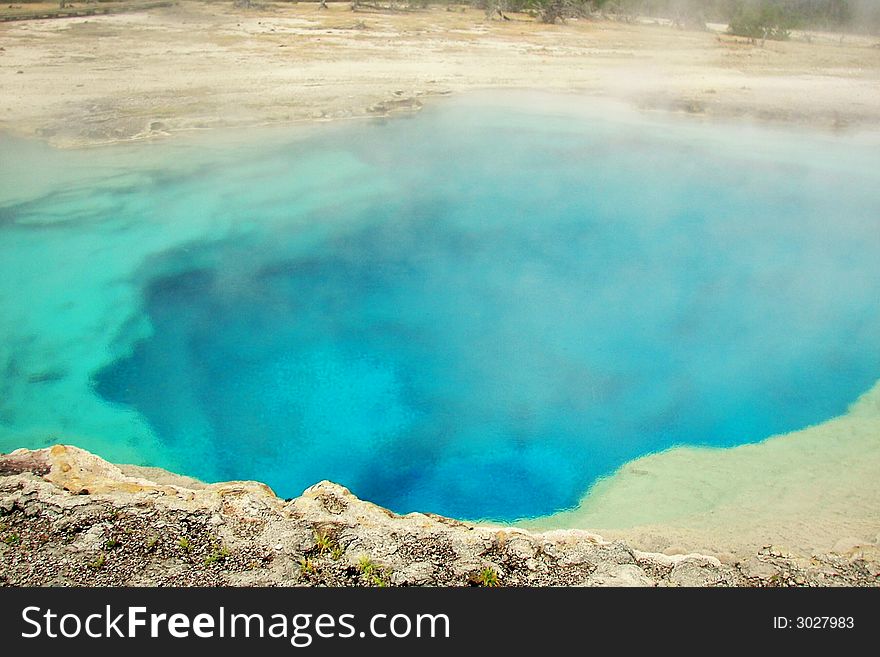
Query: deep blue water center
518	304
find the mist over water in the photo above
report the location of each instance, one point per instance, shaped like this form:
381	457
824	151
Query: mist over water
477	311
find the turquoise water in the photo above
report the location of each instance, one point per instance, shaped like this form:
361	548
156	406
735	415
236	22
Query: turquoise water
477	311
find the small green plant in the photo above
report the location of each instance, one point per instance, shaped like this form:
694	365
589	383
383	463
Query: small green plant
112	543
366	566
185	543
219	554
151	543
323	542
373	572
378	580
307	566
99	562
12	540
487	577
337	553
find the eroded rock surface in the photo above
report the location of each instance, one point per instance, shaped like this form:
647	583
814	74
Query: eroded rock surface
68	517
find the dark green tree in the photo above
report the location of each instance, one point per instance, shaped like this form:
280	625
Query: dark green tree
761	19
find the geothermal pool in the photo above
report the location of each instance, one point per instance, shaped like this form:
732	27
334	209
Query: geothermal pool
477	311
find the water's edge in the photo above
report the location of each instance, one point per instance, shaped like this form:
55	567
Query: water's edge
241	534
641	492
808	489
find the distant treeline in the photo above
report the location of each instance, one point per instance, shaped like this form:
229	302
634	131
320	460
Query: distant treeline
792	13
753	18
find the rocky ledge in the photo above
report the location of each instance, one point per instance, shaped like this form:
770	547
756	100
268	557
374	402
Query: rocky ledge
70	518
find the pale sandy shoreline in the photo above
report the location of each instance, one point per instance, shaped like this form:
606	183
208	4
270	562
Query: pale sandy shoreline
813	490
88	81
112	78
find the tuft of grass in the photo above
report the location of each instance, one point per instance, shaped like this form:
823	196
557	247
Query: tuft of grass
488	577
12	540
219	554
323	542
378	580
373	572
151	543
185	543
112	543
99	562
337	553
307	566
366	566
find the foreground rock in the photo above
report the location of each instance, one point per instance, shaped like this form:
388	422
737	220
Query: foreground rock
68	517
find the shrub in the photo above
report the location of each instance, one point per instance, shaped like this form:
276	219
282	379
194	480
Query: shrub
760	19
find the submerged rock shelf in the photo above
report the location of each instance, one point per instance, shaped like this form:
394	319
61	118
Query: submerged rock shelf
67	517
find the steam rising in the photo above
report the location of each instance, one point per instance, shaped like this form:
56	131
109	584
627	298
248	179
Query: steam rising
516	310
